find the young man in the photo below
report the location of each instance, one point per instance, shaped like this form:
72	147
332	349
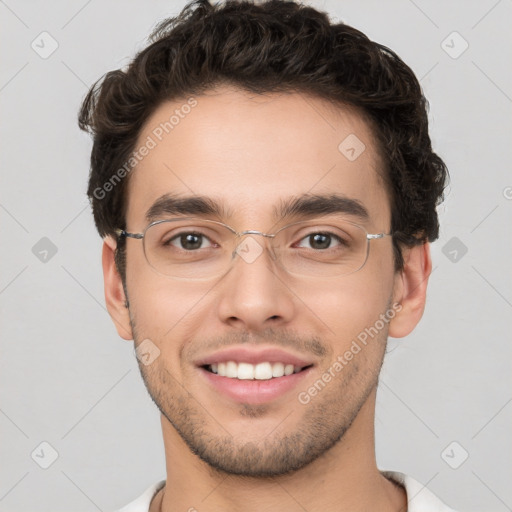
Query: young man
266	188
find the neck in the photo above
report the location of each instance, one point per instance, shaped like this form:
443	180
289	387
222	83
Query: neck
343	479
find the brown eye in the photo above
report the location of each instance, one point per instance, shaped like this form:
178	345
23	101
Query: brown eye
189	241
321	241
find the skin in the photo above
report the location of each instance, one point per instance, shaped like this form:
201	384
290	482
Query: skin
250	152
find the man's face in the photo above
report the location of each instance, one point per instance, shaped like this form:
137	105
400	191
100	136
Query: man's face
250	154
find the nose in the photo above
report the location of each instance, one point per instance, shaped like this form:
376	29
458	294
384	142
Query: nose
254	294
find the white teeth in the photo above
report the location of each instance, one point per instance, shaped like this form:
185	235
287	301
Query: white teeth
277	370
247	371
263	371
231	369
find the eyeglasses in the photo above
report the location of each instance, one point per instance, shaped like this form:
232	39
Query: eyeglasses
192	248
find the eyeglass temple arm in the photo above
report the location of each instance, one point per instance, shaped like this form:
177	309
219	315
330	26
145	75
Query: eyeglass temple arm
377	235
122	232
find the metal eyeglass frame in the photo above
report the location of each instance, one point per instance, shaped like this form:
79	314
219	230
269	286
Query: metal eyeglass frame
140	236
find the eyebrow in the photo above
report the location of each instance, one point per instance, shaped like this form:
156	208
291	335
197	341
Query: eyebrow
309	205
171	204
306	205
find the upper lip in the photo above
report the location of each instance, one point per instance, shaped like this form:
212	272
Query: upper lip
254	356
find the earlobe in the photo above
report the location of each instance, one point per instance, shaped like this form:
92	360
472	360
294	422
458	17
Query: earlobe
410	289
115	297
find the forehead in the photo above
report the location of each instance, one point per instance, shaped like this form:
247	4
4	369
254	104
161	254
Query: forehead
251	152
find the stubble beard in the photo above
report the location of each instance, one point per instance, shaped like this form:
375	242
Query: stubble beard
317	426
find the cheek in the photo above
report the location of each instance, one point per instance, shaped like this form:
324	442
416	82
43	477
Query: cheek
351	304
162	309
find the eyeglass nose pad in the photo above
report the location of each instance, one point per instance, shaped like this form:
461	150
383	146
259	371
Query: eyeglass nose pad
249	249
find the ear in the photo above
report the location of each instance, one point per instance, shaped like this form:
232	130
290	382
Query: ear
115	297
410	289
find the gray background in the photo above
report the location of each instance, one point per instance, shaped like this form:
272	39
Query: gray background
68	380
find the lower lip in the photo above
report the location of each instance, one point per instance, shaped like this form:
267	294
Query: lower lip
254	391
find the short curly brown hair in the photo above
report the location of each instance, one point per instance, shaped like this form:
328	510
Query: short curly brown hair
271	46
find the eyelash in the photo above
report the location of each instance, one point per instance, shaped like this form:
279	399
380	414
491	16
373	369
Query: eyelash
333	236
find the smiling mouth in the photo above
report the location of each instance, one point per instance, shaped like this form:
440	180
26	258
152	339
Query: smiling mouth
248	371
